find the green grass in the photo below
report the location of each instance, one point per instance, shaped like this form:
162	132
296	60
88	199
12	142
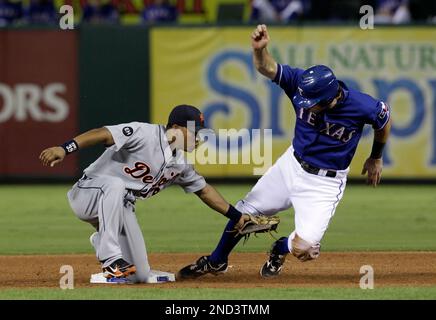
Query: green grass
37	220
221	294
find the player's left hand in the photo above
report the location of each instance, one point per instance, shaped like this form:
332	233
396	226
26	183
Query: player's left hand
244	218
374	169
256	224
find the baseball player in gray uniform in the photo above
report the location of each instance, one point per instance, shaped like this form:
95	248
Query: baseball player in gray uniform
140	160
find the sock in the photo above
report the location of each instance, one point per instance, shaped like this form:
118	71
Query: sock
281	246
226	244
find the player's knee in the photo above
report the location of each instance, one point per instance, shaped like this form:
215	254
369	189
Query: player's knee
304	250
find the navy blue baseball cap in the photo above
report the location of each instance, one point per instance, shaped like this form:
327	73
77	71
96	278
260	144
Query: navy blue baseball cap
183	113
317	85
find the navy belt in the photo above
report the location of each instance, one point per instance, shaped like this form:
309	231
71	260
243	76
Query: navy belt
311	169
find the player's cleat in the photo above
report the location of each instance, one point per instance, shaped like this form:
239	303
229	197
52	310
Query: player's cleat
275	262
119	269
201	267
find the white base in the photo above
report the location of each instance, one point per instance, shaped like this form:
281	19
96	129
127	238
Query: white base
155	276
100	278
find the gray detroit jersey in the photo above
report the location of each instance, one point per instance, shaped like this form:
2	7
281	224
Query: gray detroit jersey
143	159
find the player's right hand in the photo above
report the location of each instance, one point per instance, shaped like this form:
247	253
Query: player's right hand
52	156
260	37
373	167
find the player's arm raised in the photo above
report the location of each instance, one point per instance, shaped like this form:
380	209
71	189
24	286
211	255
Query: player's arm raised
54	155
374	164
262	59
210	196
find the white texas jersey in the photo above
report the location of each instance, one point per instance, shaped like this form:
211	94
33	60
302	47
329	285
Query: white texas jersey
142	158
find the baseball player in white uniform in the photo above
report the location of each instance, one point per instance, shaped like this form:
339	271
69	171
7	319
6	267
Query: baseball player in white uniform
311	175
140	160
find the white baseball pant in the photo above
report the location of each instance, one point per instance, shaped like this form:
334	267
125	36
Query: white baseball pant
285	185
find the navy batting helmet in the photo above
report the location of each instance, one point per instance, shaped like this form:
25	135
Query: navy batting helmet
318	84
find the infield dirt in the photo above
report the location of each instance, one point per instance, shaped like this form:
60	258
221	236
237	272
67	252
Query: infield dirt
332	269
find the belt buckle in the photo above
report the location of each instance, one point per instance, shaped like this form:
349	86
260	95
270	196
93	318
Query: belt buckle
308	168
331	173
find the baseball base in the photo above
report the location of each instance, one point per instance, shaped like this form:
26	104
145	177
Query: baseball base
155	276
100	278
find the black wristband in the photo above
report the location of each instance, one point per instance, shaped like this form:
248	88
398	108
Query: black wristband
233	214
377	150
70	146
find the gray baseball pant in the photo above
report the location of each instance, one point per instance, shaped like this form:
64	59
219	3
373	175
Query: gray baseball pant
105	203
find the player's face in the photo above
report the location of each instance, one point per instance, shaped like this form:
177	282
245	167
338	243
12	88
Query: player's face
318	108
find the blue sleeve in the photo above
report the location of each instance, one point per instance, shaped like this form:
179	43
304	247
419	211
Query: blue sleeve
287	78
380	115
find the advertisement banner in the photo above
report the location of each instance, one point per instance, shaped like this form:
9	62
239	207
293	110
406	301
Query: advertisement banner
212	68
38	100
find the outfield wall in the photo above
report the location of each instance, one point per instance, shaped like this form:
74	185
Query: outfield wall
54	84
38	99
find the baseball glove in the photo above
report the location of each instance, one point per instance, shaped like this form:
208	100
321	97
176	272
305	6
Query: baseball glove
257	224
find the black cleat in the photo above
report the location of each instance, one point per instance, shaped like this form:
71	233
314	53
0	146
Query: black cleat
201	267
275	262
119	269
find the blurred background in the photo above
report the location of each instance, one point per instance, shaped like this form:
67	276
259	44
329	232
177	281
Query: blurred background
13	12
133	60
